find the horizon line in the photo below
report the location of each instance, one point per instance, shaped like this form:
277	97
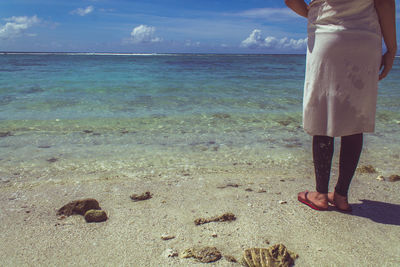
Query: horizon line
136	53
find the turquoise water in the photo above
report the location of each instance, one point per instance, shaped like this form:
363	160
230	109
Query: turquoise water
77	86
92	113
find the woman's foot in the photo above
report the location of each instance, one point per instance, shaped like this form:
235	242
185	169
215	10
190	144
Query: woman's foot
340	202
314	200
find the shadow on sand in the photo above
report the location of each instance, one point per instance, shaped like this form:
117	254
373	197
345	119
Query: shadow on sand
380	212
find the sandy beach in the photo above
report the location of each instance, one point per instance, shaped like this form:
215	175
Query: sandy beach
264	203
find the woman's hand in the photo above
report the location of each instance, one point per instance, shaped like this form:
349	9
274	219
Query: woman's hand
298	6
386	64
386	10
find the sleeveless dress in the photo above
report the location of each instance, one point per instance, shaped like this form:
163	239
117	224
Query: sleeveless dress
342	69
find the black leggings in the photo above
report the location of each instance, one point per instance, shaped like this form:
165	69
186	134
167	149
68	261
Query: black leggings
350	150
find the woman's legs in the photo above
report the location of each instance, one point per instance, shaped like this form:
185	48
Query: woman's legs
323	147
350	151
322	155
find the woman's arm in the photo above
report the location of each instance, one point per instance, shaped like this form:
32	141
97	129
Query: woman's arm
298	6
386	10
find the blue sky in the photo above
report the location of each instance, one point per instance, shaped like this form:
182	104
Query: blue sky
161	26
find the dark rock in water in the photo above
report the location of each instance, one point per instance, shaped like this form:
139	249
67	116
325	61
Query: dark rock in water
286	121
394	178
293	145
5	134
44	146
79	207
158	116
274	256
51	160
221	116
6	99
144	196
366	169
205	255
223	218
87	131
34	89
95	216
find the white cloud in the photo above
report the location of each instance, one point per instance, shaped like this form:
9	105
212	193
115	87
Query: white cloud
275	14
192	44
256	40
144	34
15	26
83	11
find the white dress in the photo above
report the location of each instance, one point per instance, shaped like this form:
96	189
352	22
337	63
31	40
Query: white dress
342	69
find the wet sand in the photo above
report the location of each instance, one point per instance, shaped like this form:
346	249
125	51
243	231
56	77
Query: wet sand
186	164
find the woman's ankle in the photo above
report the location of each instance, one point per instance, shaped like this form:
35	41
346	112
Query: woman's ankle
336	194
323	197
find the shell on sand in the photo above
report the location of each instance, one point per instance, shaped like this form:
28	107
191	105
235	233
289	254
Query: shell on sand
274	256
95	216
223	218
205	255
144	196
366	169
79	207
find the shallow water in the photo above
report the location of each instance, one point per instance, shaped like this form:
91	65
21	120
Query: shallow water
91	115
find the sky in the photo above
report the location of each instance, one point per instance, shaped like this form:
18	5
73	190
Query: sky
151	26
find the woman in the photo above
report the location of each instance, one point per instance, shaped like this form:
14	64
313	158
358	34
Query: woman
344	64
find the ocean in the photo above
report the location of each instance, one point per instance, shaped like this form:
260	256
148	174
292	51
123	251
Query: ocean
97	115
